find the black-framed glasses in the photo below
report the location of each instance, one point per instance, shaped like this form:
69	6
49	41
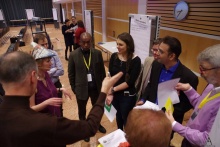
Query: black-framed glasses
206	69
154	50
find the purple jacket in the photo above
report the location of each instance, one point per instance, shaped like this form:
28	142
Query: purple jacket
197	129
44	93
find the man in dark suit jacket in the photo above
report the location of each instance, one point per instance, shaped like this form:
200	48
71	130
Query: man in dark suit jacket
169	67
23	127
86	71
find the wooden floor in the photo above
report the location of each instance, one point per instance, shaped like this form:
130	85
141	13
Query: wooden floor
70	106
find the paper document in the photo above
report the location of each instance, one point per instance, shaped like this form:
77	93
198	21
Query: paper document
110	112
74	28
169	105
113	139
148	105
215	132
167	89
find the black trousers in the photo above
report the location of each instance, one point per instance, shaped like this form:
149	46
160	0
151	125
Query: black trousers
60	94
93	94
66	51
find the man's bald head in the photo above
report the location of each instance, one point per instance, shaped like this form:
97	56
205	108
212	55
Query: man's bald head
15	66
85	41
85	35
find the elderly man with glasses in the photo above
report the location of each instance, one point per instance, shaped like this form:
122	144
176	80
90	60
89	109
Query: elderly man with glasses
206	105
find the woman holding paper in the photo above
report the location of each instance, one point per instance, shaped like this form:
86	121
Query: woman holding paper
124	91
68	36
206	105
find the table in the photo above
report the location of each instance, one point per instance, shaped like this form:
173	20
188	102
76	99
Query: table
19	22
108	48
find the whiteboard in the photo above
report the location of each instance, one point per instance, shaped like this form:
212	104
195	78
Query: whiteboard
63	13
54	10
88	21
29	13
144	30
72	12
1	15
140	30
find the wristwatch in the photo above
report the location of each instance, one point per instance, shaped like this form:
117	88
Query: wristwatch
112	90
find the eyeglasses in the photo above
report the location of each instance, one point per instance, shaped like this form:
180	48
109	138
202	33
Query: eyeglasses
154	50
158	51
206	69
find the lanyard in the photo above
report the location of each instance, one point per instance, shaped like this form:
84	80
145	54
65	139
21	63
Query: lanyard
87	65
207	99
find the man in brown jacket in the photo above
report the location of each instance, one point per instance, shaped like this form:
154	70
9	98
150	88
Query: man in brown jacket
22	126
86	71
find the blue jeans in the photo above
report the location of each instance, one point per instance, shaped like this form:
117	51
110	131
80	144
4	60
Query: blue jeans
123	105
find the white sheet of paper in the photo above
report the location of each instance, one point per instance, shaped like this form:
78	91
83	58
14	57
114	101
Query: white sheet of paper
113	139
74	28
215	131
110	114
167	89
148	105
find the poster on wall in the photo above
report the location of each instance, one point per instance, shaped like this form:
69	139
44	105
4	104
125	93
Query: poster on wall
1	15
140	30
64	15
54	10
143	29
89	24
88	21
29	13
72	12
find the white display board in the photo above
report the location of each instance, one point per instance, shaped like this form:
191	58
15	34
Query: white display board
144	30
29	13
140	30
54	10
72	12
63	13
88	21
1	15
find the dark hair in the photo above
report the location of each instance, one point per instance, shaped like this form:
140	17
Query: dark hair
80	23
74	17
38	37
127	38
41	36
174	45
66	20
157	41
15	66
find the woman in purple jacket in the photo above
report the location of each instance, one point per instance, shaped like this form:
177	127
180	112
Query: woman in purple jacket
46	98
206	105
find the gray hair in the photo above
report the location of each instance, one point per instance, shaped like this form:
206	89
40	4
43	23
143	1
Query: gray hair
15	66
211	55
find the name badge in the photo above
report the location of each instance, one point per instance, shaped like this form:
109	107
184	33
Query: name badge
89	77
194	114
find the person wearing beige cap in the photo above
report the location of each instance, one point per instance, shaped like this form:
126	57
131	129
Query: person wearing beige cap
46	99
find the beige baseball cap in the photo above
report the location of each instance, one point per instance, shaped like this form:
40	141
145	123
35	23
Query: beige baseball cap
41	53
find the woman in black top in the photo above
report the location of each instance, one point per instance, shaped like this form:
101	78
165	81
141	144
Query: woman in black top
123	91
68	36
